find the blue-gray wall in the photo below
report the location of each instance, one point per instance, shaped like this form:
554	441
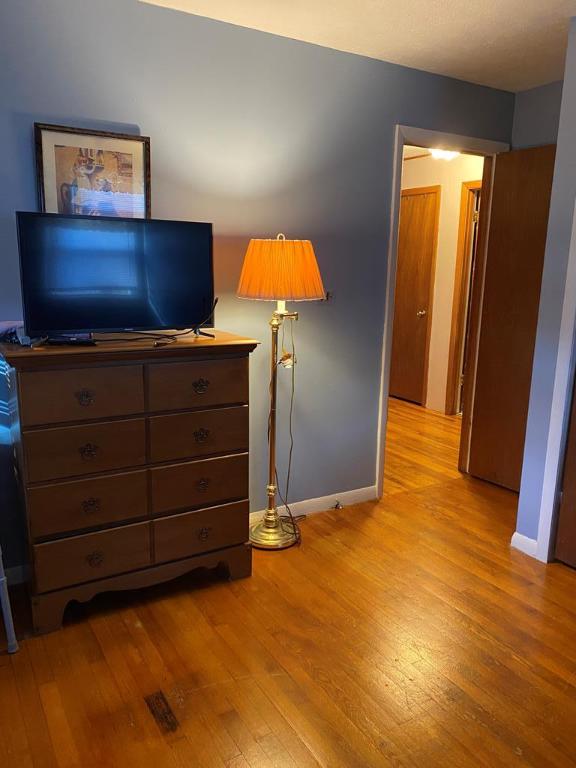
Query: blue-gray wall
551	301
258	134
536	116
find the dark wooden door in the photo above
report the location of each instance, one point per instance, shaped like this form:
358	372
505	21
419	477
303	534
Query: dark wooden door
514	257
417	237
566	530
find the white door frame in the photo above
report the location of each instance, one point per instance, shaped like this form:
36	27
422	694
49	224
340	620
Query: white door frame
423	138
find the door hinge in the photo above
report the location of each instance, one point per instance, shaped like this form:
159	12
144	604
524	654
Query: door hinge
475	217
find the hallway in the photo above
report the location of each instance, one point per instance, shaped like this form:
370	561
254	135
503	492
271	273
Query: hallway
421	447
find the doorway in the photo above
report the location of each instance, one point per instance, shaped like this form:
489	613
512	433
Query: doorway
515	190
436	244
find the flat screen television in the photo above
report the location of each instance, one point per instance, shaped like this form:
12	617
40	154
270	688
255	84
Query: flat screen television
84	274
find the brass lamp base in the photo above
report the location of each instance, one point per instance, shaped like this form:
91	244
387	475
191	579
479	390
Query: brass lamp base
263	536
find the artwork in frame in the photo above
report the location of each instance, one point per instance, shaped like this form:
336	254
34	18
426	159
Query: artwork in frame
94	173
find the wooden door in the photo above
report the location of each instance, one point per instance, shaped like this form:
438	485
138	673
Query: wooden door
507	295
465	259
566	529
417	238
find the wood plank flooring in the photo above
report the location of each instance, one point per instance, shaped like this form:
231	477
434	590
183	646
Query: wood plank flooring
401	633
422	447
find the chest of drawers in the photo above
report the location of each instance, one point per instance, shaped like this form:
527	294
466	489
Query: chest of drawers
132	462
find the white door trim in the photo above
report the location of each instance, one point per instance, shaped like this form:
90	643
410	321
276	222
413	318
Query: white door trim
424	138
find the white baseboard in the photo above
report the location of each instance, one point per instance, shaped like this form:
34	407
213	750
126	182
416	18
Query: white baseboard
525	544
17	574
324	503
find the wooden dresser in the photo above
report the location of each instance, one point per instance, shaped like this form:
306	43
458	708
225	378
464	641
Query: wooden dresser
133	464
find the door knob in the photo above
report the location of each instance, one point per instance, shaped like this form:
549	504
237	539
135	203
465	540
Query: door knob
421	313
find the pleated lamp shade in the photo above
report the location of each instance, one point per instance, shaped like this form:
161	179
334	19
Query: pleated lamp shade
280	270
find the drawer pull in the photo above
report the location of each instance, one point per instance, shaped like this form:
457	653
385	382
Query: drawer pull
90	506
201	435
88	452
95	559
202	484
200	386
203	533
85	397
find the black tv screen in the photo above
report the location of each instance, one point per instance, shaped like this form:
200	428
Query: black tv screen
86	273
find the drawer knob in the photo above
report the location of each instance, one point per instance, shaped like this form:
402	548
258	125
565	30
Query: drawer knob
85	397
90	505
203	483
95	559
88	452
203	533
200	386
201	435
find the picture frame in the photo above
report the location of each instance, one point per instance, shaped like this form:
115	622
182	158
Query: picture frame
94	173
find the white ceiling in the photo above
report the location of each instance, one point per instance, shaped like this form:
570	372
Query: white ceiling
509	44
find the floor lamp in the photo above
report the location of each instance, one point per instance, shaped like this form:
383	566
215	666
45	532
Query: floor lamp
278	270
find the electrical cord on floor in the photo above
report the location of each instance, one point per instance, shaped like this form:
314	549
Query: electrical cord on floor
290	521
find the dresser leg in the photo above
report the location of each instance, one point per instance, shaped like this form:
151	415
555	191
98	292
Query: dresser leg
240	562
48	612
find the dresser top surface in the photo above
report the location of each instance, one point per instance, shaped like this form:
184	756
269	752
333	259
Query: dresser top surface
107	349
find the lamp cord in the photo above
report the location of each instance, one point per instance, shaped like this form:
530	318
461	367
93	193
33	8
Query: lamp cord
161	338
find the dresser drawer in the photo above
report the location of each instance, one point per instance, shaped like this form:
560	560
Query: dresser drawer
174	386
191	533
72	506
198	433
91	556
77	394
199	483
84	450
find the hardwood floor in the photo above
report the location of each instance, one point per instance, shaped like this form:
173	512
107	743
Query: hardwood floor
422	447
401	633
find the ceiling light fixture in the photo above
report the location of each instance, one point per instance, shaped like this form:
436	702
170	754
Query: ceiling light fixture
443	154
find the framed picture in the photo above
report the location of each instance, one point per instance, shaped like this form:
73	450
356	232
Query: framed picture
94	173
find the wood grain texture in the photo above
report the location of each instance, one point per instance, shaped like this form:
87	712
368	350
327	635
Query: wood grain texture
475	313
461	296
74	506
89	477
413	297
198	483
78	394
48	609
198	433
421	449
403	633
197	384
109	350
91	556
191	533
511	297
83	450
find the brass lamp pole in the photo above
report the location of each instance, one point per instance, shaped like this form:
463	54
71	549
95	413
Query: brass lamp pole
270	533
278	270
